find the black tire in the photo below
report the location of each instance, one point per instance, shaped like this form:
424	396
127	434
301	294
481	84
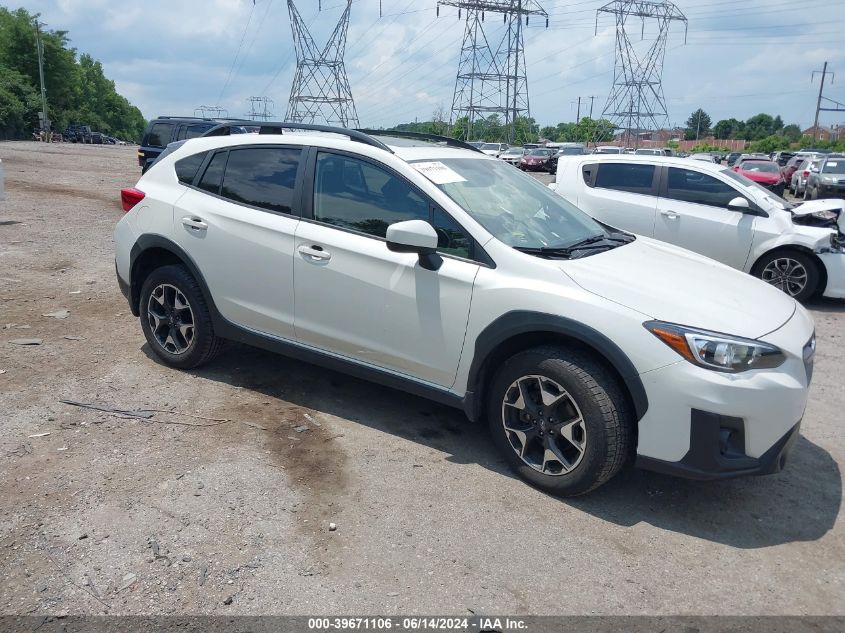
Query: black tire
204	345
813	275
608	426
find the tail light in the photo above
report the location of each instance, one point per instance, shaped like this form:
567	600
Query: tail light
805	173
130	197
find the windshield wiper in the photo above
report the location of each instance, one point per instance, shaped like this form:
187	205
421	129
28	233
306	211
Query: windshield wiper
592	243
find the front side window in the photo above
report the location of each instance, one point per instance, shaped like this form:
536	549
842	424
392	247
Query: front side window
688	185
353	194
159	135
262	177
631	177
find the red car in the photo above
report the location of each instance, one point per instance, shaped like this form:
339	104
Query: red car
792	166
764	173
539	159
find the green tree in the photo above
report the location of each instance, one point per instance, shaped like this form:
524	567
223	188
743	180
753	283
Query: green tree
728	128
762	125
697	125
19	104
792	132
77	90
549	132
770	144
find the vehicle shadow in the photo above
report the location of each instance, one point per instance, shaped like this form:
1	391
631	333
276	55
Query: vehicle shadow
824	304
799	504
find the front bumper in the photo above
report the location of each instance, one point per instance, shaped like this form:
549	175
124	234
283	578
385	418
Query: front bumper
836	190
708	424
716	451
834	264
533	166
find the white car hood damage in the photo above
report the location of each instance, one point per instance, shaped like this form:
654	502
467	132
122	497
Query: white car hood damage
828	204
671	284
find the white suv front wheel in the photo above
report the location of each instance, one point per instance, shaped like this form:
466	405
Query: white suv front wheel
560	419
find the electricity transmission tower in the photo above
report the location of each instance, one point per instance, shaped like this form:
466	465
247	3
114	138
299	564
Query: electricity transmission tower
491	75
320	91
260	108
636	103
211	112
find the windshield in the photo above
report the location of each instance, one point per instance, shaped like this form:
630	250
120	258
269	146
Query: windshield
514	151
571	151
768	168
834	166
608	150
540	152
495	146
514	207
747	183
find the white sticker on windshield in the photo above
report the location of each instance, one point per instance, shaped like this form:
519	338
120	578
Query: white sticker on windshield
832	164
438	173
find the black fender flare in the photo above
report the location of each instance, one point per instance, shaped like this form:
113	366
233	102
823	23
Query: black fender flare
149	241
516	323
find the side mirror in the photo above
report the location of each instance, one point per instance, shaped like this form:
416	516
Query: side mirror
415	236
739	204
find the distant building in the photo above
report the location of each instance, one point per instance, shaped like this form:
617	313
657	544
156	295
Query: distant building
822	133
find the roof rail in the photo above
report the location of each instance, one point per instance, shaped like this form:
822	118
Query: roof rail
278	127
422	136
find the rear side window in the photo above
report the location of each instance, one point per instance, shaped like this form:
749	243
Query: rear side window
631	177
159	135
693	186
193	131
210	180
186	168
262	177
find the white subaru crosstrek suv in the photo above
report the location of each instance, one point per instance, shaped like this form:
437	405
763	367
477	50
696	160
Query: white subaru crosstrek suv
712	210
446	273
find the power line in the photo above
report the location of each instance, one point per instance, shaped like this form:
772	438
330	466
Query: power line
238	52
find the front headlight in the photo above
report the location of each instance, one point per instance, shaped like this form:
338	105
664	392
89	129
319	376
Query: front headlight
720	352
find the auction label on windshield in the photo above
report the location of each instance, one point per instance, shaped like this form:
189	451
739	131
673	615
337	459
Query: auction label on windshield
438	173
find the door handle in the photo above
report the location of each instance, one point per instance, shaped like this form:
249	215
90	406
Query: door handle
314	252
670	214
194	223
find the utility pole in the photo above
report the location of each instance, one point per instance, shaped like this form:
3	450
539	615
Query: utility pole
819	102
39	47
578	116
591	107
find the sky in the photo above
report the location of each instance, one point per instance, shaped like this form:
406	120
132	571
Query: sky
169	57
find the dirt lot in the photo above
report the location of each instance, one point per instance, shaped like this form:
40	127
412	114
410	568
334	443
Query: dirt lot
180	514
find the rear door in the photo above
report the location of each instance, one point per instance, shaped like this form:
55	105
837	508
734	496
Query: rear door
623	195
237	221
693	213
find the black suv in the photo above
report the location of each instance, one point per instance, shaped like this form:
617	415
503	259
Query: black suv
168	129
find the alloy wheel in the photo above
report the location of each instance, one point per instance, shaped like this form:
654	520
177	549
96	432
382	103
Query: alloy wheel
171	319
786	274
544	425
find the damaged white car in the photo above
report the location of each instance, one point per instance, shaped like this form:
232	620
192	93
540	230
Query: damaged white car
714	211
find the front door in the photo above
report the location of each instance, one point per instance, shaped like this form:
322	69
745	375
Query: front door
692	212
357	299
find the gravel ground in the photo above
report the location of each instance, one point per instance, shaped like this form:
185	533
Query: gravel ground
181	515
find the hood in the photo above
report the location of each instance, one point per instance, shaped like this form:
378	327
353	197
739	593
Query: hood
490	152
671	284
827	204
